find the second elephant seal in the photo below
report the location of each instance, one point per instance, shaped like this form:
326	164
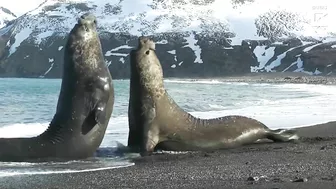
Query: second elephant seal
162	124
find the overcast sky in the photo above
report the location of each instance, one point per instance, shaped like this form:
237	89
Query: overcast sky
20	7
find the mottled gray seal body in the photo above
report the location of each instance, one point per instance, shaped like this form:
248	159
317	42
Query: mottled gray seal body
162	124
84	106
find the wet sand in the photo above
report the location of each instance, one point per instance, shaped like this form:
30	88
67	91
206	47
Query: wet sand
307	164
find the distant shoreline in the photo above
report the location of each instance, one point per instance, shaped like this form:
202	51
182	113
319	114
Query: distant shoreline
275	77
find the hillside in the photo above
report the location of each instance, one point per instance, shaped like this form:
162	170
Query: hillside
196	38
6	16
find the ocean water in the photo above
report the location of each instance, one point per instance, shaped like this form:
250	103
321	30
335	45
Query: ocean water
28	105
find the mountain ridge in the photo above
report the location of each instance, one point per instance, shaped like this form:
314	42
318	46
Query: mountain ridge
193	40
6	16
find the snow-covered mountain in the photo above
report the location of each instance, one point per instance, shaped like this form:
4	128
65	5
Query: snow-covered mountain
20	7
5	16
196	38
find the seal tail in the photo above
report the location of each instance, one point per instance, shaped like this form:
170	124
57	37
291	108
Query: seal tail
282	135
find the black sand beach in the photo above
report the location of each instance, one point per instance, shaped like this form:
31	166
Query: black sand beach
276	78
309	163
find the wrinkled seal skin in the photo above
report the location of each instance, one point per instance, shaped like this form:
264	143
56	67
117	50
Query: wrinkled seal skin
84	106
162	124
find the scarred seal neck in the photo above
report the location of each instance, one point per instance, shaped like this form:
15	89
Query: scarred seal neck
84	45
149	66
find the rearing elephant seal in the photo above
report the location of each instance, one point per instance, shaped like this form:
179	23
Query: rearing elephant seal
162	124
84	106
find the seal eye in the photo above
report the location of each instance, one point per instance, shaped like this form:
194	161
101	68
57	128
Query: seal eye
147	52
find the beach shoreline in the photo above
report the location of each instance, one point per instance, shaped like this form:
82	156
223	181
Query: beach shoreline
309	163
272	78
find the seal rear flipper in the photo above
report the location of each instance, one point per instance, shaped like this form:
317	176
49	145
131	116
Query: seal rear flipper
282	135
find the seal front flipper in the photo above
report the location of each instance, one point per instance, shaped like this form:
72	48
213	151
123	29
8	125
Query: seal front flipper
151	130
100	97
97	114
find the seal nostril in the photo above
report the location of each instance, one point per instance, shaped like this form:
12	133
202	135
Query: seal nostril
147	52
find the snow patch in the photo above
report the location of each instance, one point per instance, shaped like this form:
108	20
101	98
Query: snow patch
109	53
311	47
174	53
108	63
301	69
121	47
51	60
60	48
5	30
173	66
329	39
19	38
290	66
43	35
317	72
122	60
51	66
278	43
191	43
277	62
162	42
333	46
8	43
180	63
263	56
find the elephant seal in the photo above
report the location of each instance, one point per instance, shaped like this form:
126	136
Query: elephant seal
159	123
84	107
134	107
